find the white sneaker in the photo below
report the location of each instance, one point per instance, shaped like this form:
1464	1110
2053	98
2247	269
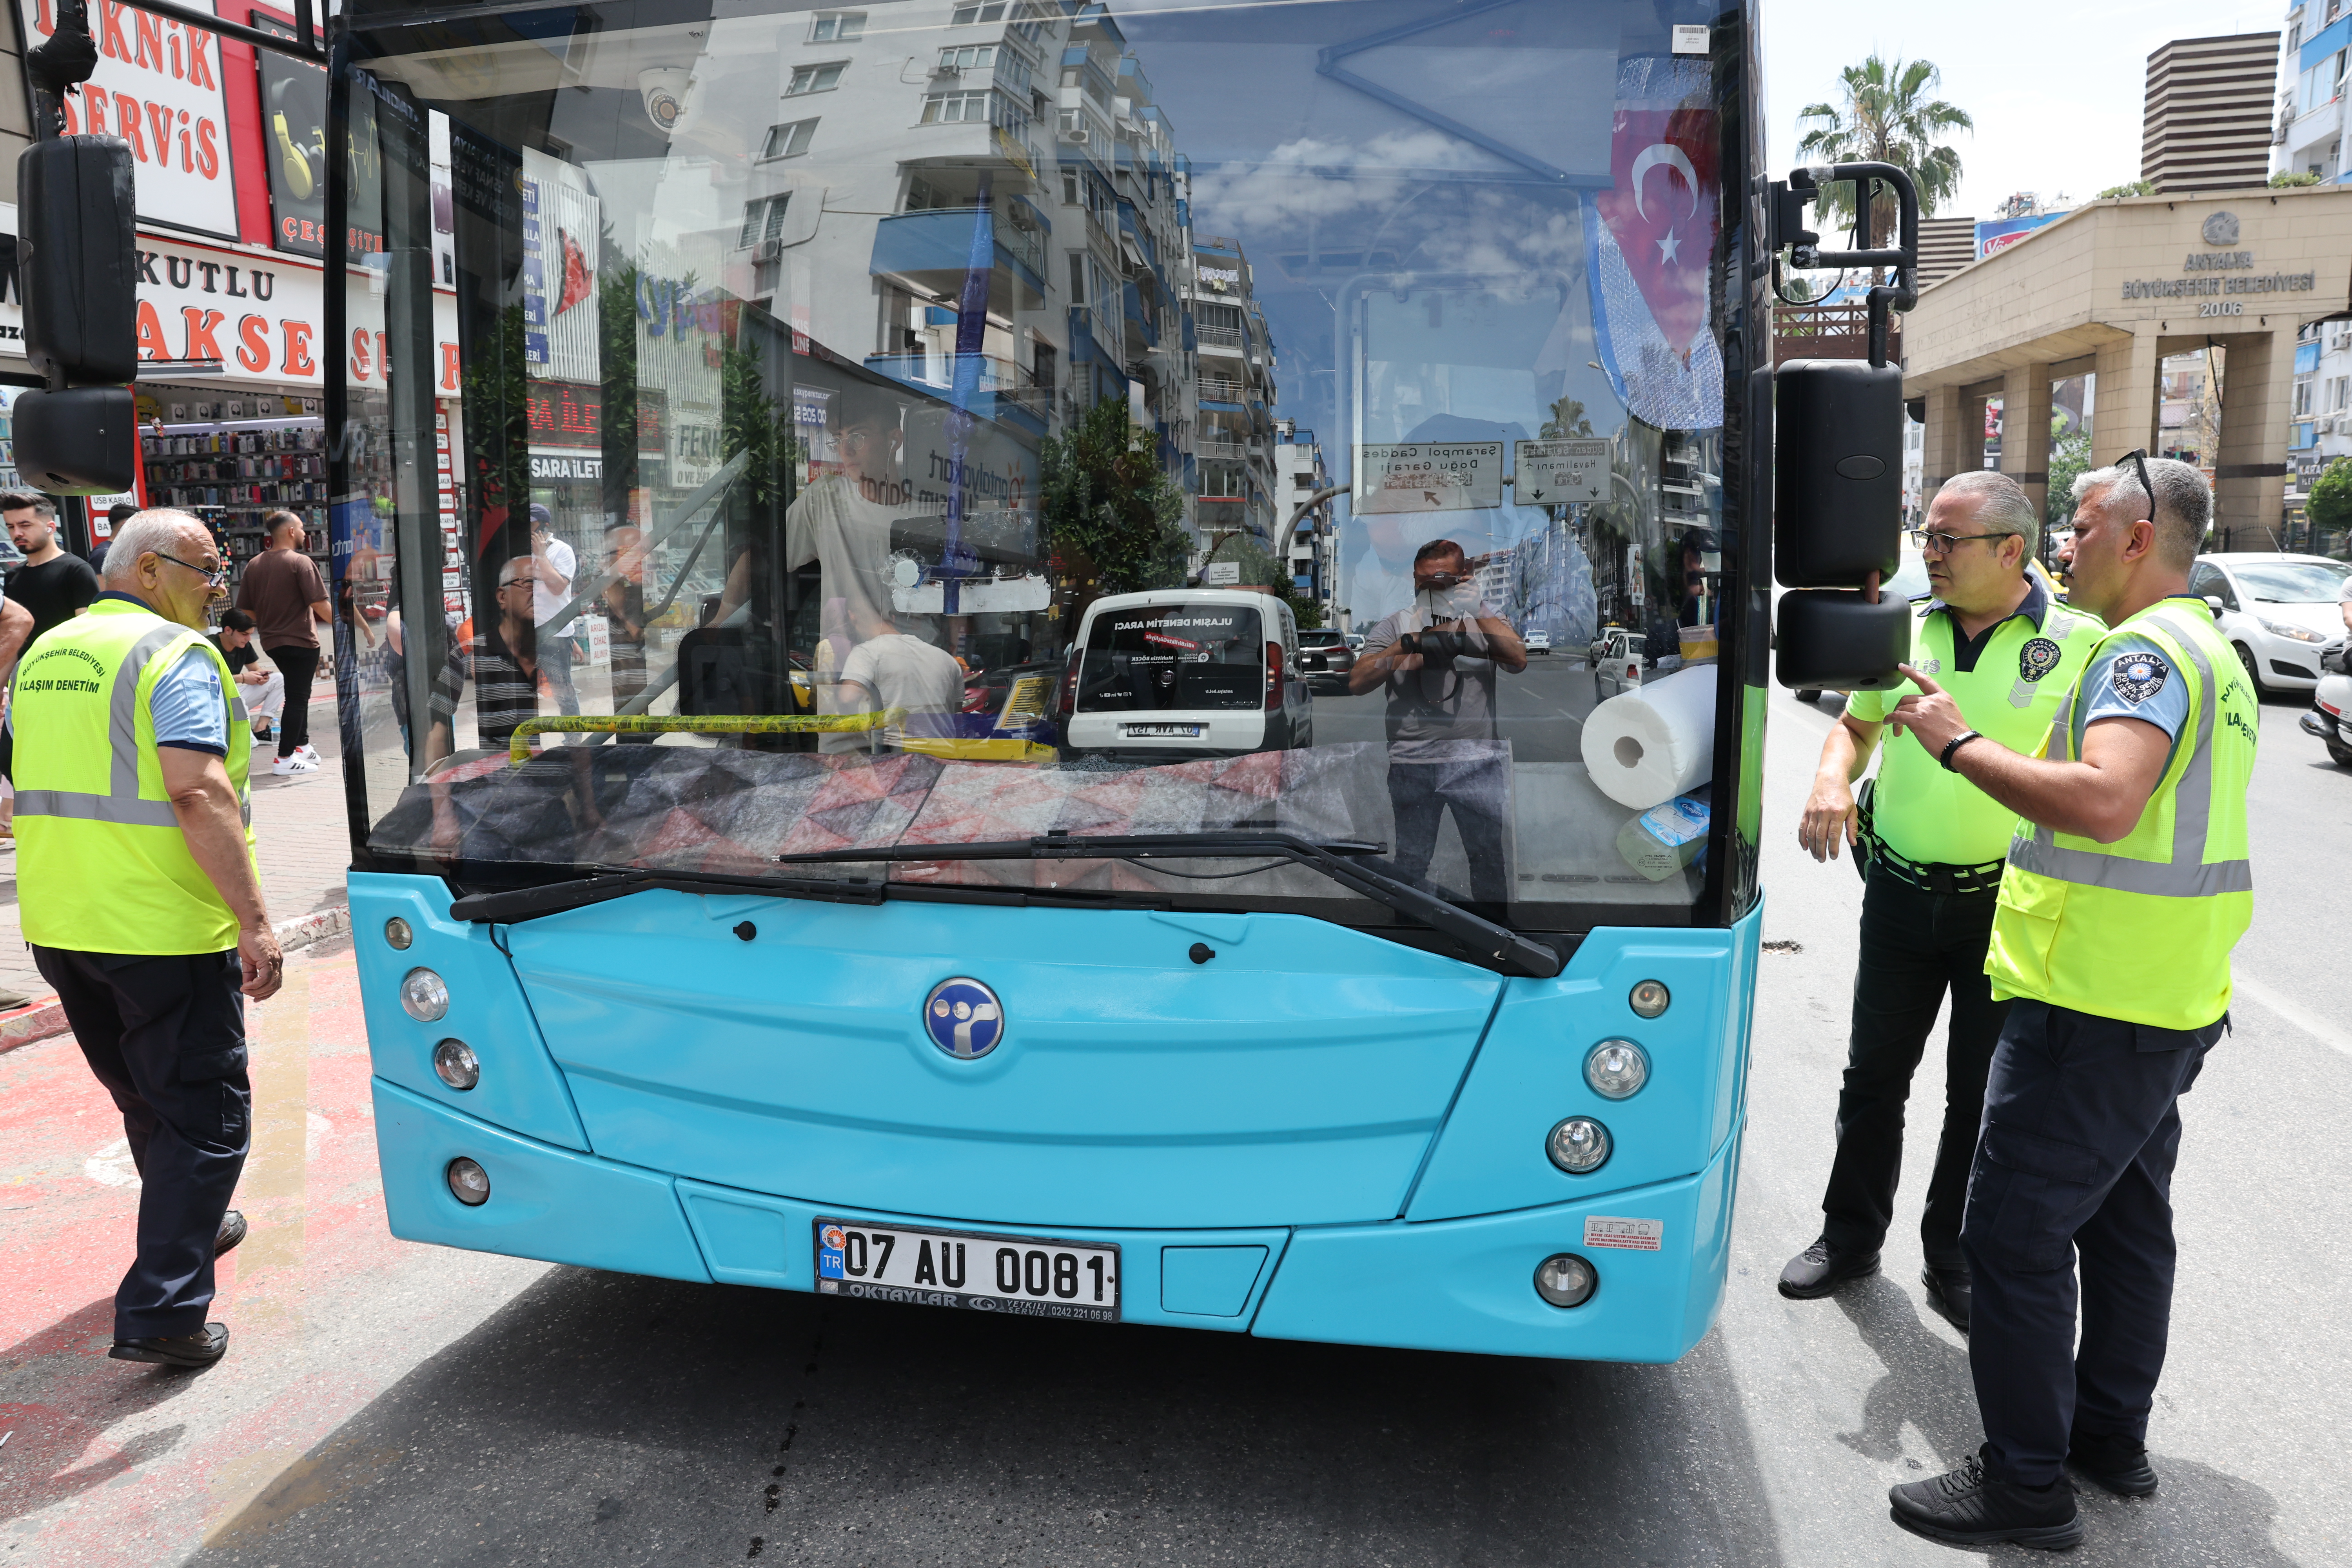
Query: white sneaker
296	764
308	750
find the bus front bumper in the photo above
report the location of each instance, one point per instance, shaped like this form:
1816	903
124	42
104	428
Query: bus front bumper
1464	1285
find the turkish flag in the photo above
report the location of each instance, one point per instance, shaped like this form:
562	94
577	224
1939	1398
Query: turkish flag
1663	211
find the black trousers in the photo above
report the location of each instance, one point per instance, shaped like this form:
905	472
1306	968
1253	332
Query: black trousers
1477	789
2082	1127
1916	946
166	1036
299	665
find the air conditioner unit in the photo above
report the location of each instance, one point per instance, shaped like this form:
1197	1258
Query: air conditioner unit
767	250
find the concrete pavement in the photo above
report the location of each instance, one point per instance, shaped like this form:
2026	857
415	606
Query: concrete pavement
389	1404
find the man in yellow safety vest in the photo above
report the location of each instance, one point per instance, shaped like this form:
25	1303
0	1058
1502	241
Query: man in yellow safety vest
137	887
2127	886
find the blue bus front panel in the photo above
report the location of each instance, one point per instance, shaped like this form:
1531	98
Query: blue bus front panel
1370	1116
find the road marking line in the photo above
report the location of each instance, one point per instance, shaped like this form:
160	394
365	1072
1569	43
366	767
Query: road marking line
2311	1024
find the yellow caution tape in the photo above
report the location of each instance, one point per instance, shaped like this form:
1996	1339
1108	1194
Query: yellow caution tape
519	750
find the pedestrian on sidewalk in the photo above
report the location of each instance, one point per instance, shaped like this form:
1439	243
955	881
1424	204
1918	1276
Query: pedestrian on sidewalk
137	786
264	693
2127	885
117	514
281	591
1933	845
52	584
554	563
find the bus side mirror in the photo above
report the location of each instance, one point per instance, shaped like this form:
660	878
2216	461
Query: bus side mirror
76	262
1837	502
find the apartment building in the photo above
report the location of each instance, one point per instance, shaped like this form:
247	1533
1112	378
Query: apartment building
1312	544
1022	132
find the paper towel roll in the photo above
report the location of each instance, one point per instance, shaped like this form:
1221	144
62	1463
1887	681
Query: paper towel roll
1650	745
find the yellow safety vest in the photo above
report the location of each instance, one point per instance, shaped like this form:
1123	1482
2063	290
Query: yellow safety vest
1923	811
101	864
2141	930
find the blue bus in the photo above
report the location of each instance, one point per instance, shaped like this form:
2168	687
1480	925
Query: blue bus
815	494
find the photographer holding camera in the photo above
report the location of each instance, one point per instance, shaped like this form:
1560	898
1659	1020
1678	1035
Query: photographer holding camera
1437	658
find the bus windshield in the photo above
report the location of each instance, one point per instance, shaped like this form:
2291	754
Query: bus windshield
772	430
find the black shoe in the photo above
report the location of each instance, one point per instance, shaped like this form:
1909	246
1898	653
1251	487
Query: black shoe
2119	1466
1948	1292
191	1351
1967	1508
1821	1268
232	1231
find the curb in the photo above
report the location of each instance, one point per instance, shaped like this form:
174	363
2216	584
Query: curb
45	1019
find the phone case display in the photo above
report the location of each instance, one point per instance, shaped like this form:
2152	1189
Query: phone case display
244	470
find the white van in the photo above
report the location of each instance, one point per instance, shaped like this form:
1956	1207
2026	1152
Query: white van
1186	672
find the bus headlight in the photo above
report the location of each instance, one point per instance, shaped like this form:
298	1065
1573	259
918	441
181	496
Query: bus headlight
1616	1069
1565	1279
1578	1145
425	995
468	1183
457	1064
1650	998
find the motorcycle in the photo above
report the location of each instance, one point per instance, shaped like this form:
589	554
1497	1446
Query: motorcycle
2330	718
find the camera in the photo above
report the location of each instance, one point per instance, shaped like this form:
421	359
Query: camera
1435	645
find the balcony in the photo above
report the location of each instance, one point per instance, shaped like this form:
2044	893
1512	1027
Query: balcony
1236	450
1230	338
930	251
1828	331
1006	392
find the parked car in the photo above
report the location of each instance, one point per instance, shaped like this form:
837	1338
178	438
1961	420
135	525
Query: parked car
1187	672
1617	658
1538	642
2278	610
1325	659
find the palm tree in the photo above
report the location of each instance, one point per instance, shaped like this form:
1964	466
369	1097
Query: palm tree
1887	118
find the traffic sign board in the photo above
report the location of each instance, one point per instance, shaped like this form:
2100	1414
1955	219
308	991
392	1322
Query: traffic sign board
1548	473
1429	476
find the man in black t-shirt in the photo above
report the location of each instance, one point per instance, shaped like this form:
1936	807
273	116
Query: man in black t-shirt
54	585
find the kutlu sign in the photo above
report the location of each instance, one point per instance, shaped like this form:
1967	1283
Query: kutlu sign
158	87
262	314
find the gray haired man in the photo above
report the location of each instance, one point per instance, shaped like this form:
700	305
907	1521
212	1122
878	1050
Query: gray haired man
1933	850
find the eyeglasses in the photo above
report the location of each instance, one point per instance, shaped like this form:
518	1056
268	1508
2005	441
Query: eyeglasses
514	583
1944	544
2137	457
217	575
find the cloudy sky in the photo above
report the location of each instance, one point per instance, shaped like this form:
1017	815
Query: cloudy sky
2055	89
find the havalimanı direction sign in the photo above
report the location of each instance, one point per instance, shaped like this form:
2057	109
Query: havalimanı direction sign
1549	473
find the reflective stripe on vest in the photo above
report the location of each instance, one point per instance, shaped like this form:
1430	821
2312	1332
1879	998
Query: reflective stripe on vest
121	802
2187	874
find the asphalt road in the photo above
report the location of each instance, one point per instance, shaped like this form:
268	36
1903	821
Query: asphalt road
387	1404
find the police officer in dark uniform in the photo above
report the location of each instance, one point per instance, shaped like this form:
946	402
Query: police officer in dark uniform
2007	654
2132	841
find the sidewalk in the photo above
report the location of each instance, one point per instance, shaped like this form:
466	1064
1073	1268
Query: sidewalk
304	849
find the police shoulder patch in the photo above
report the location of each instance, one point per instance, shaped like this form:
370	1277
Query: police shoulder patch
2037	658
2137	677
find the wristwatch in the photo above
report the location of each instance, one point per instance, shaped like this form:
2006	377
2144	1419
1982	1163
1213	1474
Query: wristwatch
1954	744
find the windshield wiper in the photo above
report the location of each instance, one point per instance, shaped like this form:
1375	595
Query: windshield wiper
554	897
1497	945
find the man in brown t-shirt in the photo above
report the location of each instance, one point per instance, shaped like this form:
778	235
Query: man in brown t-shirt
281	591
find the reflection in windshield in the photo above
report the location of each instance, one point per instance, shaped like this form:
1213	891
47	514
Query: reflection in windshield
918	425
2296	583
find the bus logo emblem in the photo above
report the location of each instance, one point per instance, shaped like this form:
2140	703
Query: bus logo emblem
963	1018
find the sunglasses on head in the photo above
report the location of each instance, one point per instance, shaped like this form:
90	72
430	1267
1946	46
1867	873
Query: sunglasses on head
2137	457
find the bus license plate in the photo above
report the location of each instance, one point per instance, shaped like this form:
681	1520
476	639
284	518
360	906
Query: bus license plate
1162	732
1022	1275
